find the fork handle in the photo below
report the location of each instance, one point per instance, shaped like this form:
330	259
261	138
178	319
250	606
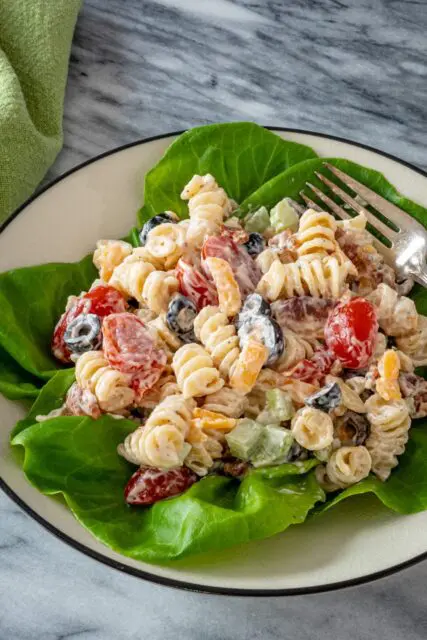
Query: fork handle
421	276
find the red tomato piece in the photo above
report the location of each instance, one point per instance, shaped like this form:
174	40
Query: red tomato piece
149	485
351	331
194	285
315	368
245	270
58	346
143	382
104	300
129	347
101	300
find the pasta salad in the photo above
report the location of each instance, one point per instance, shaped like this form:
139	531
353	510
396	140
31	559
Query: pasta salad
238	343
232	365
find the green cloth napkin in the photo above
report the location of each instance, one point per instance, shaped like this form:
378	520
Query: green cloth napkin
35	42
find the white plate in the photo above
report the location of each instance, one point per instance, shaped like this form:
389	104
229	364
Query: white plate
356	542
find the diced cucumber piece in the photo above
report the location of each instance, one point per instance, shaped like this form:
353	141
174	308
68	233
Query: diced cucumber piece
244	439
258	221
280	405
273	447
279	408
283	216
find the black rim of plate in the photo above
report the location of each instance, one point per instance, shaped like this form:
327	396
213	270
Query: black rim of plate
171	582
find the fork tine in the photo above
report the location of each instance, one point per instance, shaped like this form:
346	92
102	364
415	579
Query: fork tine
339	211
387	232
382	205
309	202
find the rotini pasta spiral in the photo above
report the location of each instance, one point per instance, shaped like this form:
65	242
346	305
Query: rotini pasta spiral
159	288
161	441
202	455
108	255
195	373
321	278
316	234
208	204
205	449
130	276
165	338
164	387
397	316
297	389
206	444
312	429
390	423
323	479
296	349
110	387
348	465
175	410
219	338
380	346
167	243
226	401
415	345
358	223
141	254
265	259
350	395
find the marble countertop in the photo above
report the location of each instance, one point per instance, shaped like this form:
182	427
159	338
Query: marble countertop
140	68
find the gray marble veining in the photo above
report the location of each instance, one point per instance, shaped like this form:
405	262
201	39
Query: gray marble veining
139	68
49	591
351	68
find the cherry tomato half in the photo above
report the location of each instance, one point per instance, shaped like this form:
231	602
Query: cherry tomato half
351	331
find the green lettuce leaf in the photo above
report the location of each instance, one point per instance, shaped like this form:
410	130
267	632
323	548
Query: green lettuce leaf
15	382
49	398
290	182
77	457
32	300
133	237
242	156
406	489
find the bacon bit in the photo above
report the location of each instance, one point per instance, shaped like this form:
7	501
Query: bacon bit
245	269
194	284
81	402
236	469
314	369
237	234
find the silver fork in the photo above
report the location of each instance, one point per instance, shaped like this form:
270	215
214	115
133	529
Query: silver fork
407	237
